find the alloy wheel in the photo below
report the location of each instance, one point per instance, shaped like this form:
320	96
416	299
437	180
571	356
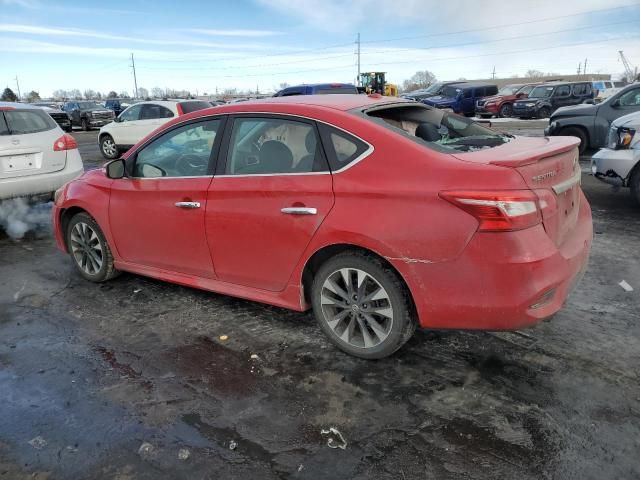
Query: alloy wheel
109	147
356	308
86	248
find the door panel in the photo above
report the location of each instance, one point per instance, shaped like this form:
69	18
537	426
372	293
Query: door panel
253	243
273	163
157	213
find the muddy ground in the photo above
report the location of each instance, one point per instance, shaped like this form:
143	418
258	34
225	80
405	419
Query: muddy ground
131	380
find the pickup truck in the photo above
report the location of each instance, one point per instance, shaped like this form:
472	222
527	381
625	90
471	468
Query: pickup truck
88	114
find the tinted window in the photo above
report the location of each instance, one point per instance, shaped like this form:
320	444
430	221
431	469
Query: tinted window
131	113
582	89
271	145
151	111
328	90
89	105
182	152
342	148
467	93
492	90
289	92
3	125
526	90
28	121
562	91
188	107
630	98
541	92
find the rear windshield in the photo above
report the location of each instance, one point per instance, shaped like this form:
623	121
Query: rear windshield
188	107
328	90
89	105
436	129
20	122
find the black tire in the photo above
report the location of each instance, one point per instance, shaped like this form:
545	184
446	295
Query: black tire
84	124
578	133
485	116
106	271
399	328
544	112
634	183
108	148
469	114
506	111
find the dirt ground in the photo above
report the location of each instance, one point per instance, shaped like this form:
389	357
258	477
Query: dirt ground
131	380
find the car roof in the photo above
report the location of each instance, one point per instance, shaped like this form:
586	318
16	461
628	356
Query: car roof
317	85
18	105
341	102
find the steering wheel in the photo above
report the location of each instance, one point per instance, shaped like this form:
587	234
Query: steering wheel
191	165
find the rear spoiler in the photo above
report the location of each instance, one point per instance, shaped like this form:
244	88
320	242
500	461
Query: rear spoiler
528	157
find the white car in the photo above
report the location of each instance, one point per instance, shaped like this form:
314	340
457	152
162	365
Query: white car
139	120
619	163
36	156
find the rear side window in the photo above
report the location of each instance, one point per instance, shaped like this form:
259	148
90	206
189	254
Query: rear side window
188	107
20	122
562	91
492	90
151	111
342	148
582	89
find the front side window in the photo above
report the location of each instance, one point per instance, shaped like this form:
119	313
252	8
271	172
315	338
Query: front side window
131	113
20	122
526	90
262	146
181	152
630	98
4	130
541	92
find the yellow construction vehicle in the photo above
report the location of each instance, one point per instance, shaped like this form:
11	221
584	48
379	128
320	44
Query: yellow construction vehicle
375	82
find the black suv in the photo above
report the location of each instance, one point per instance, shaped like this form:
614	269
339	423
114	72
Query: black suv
88	114
545	99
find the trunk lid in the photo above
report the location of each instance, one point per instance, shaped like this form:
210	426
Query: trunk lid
549	166
30	154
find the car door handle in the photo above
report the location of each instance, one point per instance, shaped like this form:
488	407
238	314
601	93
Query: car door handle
299	210
188	204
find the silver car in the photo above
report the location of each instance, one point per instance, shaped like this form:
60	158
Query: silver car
619	162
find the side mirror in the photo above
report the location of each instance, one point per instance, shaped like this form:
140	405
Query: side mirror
520	95
589	101
117	119
115	169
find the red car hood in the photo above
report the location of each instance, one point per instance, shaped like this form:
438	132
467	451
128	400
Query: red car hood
499	98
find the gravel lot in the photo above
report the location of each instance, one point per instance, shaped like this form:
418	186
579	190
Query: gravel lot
131	380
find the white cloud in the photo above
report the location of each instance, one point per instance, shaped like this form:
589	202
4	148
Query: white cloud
233	33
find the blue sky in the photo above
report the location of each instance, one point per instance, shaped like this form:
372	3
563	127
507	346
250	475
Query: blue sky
201	46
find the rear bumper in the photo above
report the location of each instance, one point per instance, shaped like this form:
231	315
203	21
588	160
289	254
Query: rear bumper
42	183
501	281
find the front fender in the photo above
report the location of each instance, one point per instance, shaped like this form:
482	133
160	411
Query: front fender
580	121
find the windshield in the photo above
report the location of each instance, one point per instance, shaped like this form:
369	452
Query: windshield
450	91
89	105
434	88
509	89
541	92
437	129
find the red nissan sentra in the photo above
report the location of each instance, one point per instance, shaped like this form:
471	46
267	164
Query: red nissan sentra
378	213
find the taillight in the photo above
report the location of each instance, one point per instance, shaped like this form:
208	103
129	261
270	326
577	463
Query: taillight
498	211
65	142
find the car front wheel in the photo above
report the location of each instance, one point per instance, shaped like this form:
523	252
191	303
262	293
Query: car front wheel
89	249
108	147
578	133
506	111
362	305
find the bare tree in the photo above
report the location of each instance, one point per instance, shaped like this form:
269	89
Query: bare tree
284	85
421	79
89	94
143	92
75	94
112	94
60	94
534	74
124	94
32	96
157	92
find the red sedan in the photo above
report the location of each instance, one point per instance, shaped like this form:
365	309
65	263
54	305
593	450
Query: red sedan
378	213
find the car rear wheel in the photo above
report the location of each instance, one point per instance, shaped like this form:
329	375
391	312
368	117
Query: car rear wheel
108	147
362	305
544	112
89	249
506	111
84	124
578	133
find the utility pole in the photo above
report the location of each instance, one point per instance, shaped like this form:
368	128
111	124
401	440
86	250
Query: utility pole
579	67
18	85
135	81
358	43
493	74
584	70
